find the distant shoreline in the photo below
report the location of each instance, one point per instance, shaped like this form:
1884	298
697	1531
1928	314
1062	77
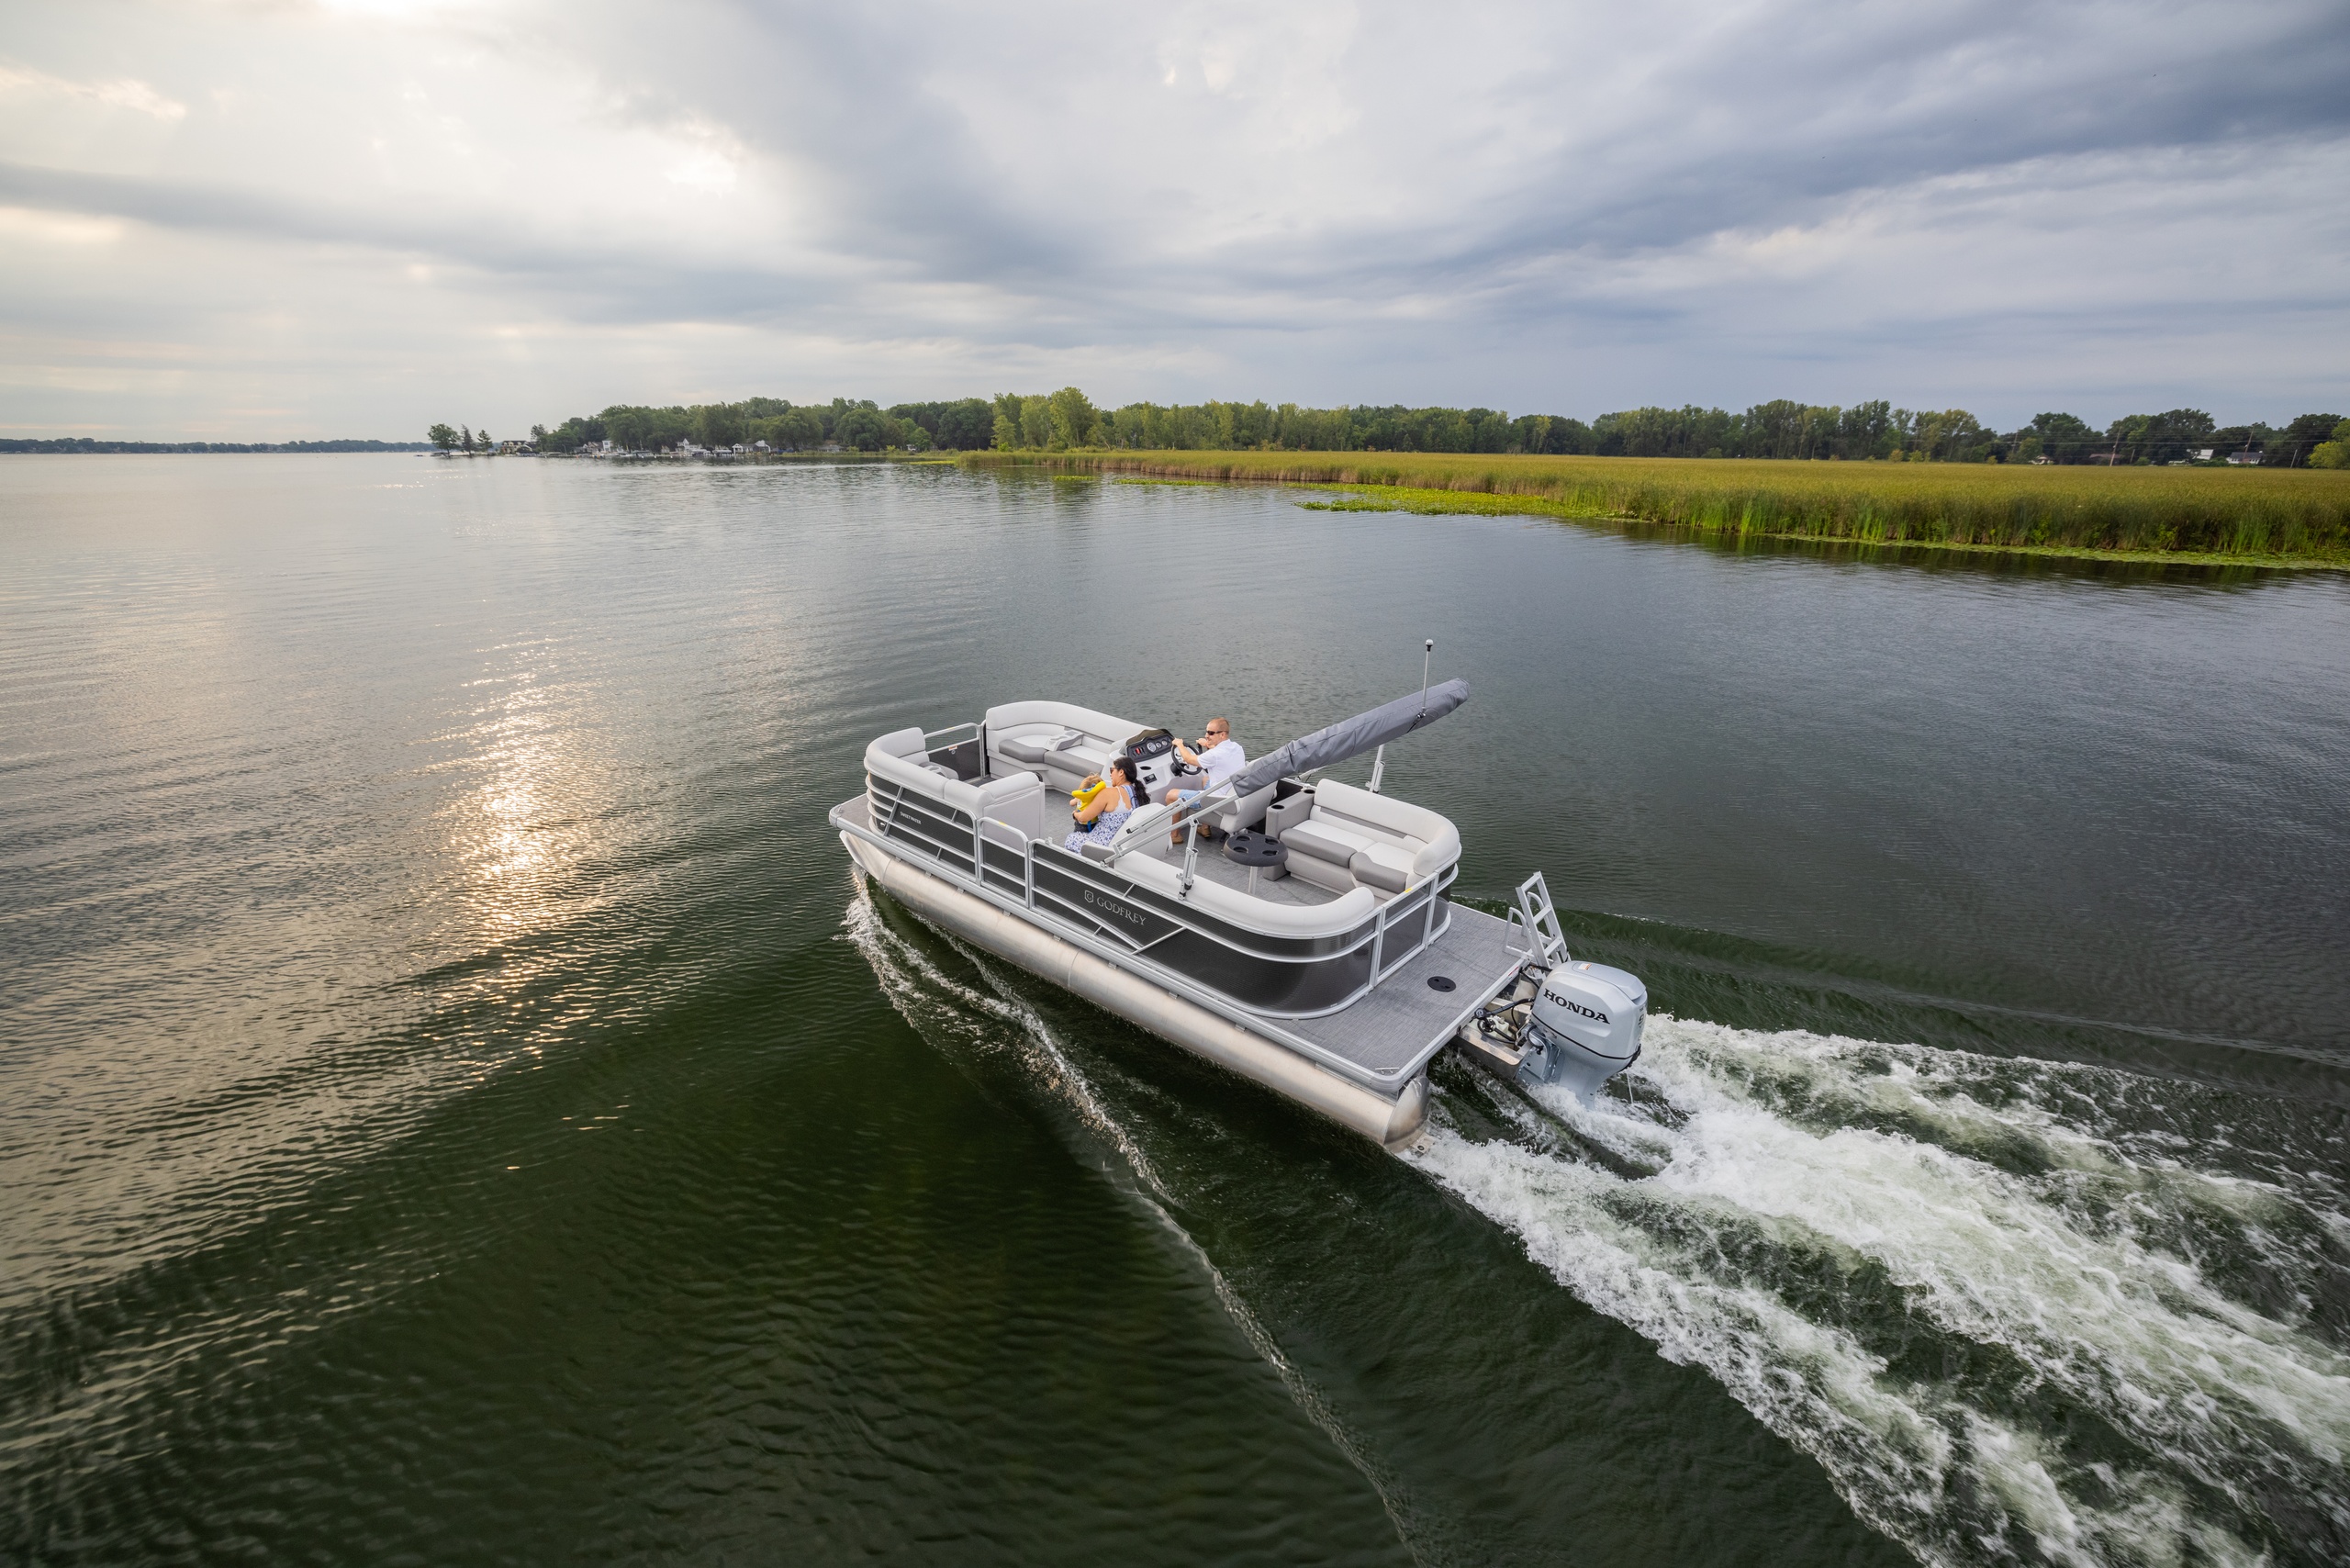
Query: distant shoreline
74	446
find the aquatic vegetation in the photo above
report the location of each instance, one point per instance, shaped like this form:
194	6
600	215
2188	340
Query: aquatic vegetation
2279	515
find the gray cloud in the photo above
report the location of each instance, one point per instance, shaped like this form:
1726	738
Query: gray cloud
1572	207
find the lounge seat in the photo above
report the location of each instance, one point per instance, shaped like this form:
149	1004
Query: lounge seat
1014	799
1061	742
1242	910
1354	839
1245	812
1036	749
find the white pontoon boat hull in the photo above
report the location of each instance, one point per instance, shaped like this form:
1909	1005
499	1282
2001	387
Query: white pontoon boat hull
1394	1122
1334	986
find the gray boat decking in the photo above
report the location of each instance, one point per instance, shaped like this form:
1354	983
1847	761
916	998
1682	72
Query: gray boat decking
1402	1022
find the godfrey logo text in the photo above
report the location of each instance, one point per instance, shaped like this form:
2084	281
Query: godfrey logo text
1111	906
1575	1006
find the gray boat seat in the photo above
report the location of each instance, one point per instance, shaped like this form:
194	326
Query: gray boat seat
1060	741
1038	748
1015	799
1356	839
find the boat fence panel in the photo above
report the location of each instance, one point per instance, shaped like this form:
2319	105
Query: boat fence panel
1112	909
1003	858
1275	975
937	831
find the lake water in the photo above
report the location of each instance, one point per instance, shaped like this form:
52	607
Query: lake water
460	1109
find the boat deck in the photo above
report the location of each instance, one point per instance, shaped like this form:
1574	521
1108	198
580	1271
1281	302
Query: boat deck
1393	1032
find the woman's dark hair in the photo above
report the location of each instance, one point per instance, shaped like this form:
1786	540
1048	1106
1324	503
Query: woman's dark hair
1123	764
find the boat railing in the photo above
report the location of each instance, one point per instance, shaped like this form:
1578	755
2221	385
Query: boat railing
1423	914
1187	814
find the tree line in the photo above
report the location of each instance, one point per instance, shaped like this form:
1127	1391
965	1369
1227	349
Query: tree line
90	445
1069	420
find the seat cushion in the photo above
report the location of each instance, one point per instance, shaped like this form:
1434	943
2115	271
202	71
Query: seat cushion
1321	873
1038	746
1381	866
1325	842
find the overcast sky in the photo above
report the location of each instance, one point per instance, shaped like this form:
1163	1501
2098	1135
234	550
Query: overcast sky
269	220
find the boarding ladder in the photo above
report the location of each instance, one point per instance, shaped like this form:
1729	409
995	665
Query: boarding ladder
1538	918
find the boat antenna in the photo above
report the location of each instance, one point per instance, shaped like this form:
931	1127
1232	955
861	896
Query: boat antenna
1379	760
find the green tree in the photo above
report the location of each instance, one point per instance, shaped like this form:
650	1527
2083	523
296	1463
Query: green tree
441	436
1865	430
1074	421
862	427
1944	435
965	425
1037	423
466	436
717	424
2065	438
2292	445
2335	451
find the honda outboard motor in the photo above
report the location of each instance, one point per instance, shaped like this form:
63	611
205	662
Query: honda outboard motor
1556	1021
1585	1028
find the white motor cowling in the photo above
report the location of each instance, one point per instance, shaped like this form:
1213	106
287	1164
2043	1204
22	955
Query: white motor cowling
1585	1028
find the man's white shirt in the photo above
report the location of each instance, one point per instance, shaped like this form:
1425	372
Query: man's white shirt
1221	761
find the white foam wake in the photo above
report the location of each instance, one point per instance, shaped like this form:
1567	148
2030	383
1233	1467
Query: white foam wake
2007	1324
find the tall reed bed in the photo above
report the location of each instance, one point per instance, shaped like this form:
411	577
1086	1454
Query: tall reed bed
2290	514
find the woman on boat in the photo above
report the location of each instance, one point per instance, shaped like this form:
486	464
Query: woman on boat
1104	814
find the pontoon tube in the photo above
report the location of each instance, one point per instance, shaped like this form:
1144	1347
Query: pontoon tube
1392	1124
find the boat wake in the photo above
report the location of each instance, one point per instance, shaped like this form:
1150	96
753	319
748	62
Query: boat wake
2017	1310
947	1010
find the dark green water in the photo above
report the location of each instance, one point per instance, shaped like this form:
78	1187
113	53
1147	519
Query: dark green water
460	1109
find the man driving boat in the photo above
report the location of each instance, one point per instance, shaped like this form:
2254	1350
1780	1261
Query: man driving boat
1218	756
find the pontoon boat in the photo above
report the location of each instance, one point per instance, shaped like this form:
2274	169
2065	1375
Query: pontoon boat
1334	984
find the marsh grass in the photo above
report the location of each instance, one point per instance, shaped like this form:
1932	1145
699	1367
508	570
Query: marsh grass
2298	517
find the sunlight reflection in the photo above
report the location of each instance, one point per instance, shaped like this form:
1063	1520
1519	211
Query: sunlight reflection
520	835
